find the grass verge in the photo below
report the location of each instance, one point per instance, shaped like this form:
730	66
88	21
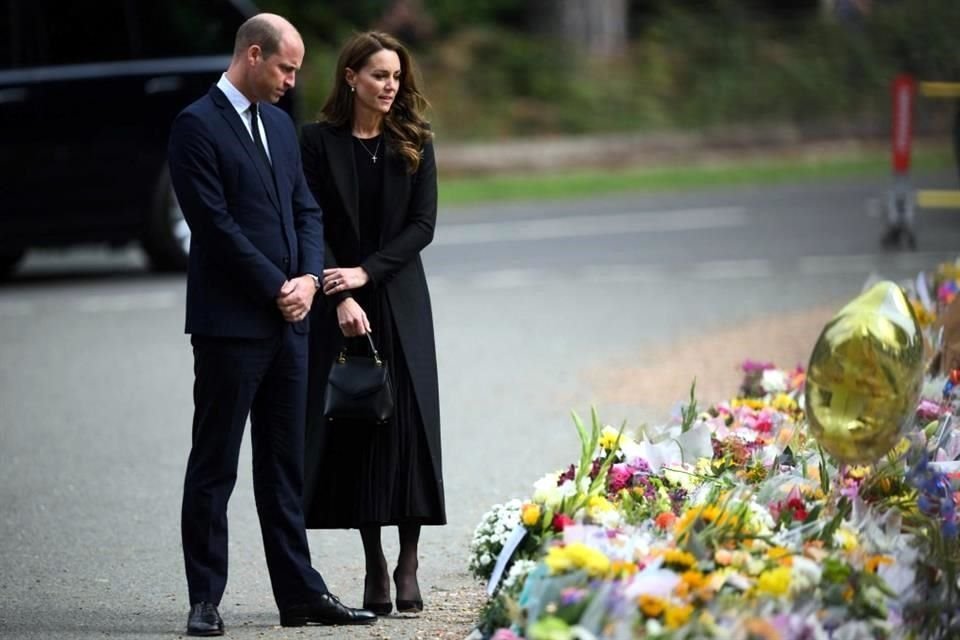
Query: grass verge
571	184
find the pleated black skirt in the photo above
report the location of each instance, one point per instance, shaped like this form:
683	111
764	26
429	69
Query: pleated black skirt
377	474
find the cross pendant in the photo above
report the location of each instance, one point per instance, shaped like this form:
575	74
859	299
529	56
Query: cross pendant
374	159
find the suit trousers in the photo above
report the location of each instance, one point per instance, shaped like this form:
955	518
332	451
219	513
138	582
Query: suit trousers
265	379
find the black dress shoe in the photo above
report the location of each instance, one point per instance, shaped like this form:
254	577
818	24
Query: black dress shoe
204	620
325	609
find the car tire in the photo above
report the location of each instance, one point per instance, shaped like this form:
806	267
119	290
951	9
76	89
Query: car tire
9	261
166	237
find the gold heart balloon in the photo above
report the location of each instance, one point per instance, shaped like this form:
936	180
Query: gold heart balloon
865	374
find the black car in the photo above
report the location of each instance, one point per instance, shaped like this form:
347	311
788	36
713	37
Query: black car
87	94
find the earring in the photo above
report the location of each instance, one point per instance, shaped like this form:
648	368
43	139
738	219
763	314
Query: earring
352	88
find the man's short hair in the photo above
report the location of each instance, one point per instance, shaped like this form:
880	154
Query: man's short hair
257	31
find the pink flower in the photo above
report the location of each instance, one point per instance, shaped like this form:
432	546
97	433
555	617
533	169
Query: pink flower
618	477
505	634
928	410
751	366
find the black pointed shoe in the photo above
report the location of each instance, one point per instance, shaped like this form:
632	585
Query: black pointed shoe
326	609
204	620
379	608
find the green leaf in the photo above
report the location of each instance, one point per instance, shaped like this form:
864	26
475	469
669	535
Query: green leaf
688	413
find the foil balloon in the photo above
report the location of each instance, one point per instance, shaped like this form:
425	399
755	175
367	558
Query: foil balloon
865	375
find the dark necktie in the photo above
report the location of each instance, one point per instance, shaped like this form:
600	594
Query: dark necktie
257	140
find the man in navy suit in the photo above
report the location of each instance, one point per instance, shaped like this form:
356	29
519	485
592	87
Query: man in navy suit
256	251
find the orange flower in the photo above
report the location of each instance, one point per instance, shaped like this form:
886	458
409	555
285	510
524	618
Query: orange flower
651	606
874	562
665	520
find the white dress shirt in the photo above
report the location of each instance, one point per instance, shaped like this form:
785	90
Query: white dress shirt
242	105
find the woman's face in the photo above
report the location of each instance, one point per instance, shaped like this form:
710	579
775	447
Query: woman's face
377	83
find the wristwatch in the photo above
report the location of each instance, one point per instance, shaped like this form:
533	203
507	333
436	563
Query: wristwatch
316	280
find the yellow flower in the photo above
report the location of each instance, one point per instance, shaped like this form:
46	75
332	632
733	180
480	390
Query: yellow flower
599	503
678	558
530	514
577	556
846	539
692	582
774	581
651	606
622	569
783	402
558	560
780	555
609	439
859	471
677	615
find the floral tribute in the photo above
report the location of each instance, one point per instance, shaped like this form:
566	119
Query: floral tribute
730	522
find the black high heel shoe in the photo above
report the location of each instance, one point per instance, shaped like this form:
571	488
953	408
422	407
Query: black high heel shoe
379	608
406	606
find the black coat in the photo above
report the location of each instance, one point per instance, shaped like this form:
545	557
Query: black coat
408	221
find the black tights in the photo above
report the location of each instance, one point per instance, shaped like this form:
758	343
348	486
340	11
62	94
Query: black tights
376	587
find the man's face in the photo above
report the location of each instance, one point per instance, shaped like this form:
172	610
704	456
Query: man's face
273	76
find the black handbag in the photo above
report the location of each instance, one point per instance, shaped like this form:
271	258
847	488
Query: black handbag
358	388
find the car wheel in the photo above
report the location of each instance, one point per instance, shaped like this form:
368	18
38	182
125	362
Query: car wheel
167	236
9	260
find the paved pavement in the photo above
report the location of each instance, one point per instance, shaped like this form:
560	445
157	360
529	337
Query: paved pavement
95	379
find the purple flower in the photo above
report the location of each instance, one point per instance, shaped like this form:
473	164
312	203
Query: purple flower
571	596
935	497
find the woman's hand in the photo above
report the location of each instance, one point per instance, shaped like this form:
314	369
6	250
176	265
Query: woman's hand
352	319
340	279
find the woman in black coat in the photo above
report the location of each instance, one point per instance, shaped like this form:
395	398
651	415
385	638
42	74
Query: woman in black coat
370	165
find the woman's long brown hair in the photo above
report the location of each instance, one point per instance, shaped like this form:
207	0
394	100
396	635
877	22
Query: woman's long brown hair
408	131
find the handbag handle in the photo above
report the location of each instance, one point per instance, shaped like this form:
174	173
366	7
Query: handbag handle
373	350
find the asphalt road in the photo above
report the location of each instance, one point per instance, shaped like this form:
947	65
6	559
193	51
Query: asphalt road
95	379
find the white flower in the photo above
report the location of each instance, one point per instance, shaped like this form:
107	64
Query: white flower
774	381
546	492
804	574
518	573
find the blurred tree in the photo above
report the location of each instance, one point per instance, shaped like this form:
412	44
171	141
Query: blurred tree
406	20
598	27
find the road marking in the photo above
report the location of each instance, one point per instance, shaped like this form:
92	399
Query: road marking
587	226
622	273
894	266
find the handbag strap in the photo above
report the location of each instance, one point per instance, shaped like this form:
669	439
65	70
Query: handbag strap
373	351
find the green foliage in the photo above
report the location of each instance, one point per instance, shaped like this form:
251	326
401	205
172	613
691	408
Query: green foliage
688	413
490	72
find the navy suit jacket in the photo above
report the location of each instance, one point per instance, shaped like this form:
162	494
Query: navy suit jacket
250	230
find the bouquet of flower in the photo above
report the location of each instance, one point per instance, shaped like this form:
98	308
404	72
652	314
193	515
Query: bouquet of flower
729	523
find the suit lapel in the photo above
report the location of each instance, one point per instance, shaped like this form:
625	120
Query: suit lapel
344	172
246	141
